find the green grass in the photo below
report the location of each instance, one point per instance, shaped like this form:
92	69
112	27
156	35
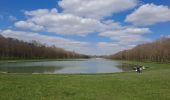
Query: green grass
152	84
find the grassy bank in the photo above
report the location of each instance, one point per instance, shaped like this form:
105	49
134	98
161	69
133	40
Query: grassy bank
152	84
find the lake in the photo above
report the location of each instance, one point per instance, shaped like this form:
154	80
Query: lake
73	66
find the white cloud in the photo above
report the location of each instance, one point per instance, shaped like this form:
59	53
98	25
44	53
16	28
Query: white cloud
65	24
40	12
149	14
127	35
96	8
28	25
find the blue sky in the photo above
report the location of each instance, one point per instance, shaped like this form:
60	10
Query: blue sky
94	27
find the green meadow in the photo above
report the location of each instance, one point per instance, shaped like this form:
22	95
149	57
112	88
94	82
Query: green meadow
152	84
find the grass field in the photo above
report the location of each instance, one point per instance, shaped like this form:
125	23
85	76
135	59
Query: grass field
152	84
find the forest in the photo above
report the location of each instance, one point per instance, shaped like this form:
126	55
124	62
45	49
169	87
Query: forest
11	48
158	51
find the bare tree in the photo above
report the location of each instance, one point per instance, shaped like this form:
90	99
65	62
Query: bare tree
156	51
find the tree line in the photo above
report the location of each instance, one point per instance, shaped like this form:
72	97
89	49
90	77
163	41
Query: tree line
158	51
11	48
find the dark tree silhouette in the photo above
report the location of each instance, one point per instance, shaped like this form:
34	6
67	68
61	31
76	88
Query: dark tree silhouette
15	49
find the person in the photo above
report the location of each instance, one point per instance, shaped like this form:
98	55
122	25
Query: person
139	69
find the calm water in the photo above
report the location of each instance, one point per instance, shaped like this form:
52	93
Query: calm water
71	66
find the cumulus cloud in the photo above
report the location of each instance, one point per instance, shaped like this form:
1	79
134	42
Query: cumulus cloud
69	23
149	14
40	12
96	8
62	23
28	25
127	35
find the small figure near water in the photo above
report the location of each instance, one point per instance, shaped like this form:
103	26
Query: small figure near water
139	68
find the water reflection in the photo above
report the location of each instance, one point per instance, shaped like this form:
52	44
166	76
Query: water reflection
126	67
70	66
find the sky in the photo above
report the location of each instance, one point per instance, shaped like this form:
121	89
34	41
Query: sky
92	27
